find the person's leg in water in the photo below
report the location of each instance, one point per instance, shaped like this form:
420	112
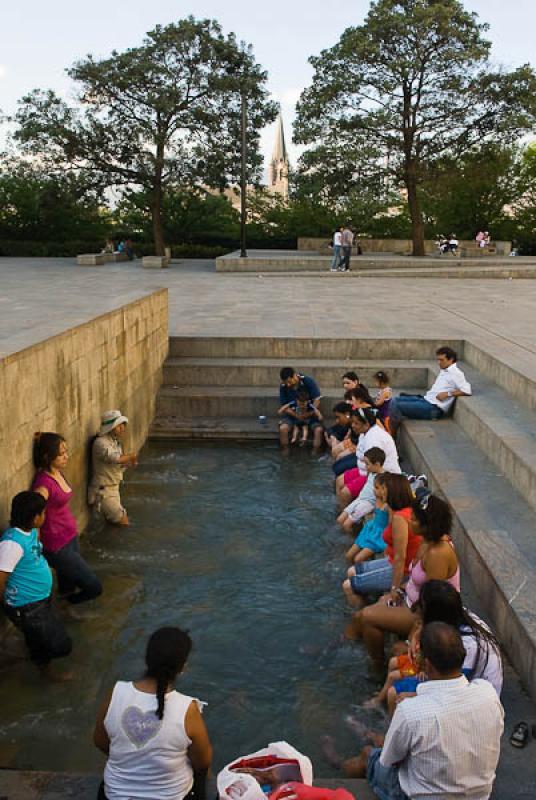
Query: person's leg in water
305	434
295	433
74	573
45	636
318	437
284	431
380	698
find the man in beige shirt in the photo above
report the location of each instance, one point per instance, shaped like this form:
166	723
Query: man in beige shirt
108	465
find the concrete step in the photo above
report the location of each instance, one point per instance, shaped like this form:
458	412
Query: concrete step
229	401
187	371
289	349
235	428
514	372
504	429
494	532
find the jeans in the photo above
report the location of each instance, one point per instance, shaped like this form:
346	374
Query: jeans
343	464
73	573
372	576
336	262
413	406
346	253
383	780
44	633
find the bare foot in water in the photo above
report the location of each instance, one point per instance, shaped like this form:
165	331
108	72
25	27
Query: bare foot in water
365	733
373	702
54	675
329	750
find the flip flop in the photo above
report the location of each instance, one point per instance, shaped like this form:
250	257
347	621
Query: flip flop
520	735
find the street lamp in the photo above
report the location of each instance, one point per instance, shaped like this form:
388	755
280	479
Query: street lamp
243	175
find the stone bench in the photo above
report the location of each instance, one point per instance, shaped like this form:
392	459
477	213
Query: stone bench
91	260
115	258
155	262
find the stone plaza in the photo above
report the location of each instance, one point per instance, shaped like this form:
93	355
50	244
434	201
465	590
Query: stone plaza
187	350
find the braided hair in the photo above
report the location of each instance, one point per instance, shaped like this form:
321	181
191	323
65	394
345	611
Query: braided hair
165	657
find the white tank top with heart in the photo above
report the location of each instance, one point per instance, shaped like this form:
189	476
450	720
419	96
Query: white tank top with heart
148	757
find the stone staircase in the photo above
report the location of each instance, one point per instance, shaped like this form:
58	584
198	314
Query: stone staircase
482	459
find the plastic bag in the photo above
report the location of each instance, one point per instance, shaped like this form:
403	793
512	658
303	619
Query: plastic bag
298	791
233	785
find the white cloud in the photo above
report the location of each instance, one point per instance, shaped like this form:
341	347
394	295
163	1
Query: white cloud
3	71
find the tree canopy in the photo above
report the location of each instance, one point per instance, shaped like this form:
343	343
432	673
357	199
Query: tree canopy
415	83
166	113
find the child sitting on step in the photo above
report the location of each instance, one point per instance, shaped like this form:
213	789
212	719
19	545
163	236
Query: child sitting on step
304	414
369	541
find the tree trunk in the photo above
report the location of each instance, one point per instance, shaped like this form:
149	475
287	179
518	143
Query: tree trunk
158	231
417	224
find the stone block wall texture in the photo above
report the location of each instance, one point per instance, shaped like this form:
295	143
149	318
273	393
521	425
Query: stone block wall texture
64	383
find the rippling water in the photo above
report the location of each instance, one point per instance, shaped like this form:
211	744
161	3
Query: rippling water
239	546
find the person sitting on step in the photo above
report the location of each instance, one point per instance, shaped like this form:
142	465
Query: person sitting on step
291	383
305	416
439	399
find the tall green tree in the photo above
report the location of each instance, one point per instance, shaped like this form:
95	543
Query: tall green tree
166	113
416	82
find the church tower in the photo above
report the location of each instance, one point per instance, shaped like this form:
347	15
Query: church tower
278	169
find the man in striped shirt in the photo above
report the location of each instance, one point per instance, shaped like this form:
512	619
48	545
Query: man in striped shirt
443	743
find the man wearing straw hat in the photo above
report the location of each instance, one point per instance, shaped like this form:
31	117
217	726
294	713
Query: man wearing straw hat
108	465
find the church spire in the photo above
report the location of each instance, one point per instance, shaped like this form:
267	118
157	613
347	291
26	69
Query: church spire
278	171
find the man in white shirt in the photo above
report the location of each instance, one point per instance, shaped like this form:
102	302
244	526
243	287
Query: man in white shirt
337	250
443	743
449	384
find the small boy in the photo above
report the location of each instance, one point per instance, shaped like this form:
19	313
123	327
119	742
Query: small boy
374	460
26	584
304	415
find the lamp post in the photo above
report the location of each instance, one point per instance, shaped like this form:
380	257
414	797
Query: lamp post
243	175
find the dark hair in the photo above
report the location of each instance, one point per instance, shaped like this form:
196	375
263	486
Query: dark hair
381	377
448	352
434	516
351	376
303	394
399	494
442	645
382	478
375	455
25	507
365	415
166	655
441	602
342	408
360	393
286	373
46	447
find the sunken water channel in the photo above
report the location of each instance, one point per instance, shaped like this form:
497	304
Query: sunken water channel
240	547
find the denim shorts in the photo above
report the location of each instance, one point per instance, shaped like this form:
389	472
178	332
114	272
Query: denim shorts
383	780
372	576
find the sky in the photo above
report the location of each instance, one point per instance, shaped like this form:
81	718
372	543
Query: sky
40	38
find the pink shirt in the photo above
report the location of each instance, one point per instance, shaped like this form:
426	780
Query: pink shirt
59	527
418	577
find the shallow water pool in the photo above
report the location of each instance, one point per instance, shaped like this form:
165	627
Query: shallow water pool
239	546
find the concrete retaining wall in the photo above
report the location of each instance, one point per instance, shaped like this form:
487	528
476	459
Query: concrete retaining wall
64	383
403	246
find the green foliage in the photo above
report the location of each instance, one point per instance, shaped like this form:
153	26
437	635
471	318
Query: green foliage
40	207
413	84
159	115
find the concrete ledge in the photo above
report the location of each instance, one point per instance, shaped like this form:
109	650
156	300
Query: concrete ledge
155	262
293	348
115	258
493	533
91	260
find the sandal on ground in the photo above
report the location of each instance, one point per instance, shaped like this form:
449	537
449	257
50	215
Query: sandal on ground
520	735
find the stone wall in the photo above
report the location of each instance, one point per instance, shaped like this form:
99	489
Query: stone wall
63	384
404	246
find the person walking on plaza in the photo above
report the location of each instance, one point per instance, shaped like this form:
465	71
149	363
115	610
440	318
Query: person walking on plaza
347	241
108	463
443	743
26	584
337	250
77	582
438	401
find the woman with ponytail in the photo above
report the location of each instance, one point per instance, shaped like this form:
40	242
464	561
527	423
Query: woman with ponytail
155	738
